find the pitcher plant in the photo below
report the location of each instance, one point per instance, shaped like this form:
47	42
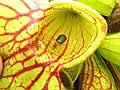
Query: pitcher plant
48	45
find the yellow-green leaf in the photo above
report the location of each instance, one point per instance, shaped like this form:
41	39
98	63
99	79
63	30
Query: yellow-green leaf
96	75
70	75
104	7
110	48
